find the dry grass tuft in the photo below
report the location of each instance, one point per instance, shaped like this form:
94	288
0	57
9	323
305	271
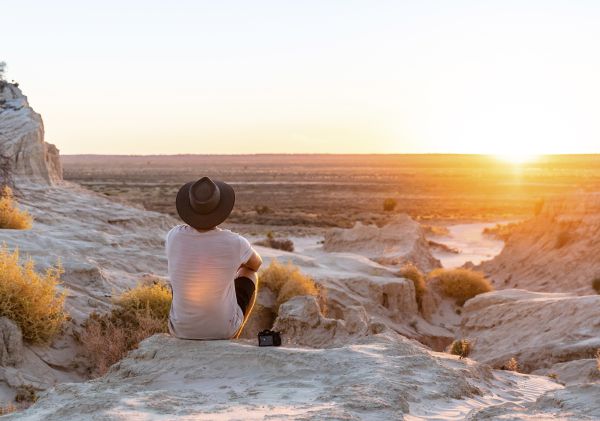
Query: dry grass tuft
154	298
410	271
511	365
138	314
26	394
460	284
598	359
11	217
31	299
461	347
286	281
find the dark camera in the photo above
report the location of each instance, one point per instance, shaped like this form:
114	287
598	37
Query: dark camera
269	338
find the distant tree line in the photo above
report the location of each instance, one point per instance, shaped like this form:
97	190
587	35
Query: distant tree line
2	69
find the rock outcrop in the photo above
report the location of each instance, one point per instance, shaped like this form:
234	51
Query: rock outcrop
557	251
402	240
22	145
383	376
301	322
539	330
11	343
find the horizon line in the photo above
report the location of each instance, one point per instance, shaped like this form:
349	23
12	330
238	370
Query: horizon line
330	154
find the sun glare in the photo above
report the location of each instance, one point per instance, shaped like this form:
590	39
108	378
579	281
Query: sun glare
516	158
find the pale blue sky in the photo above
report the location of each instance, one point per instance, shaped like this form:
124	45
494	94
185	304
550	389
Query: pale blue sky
512	77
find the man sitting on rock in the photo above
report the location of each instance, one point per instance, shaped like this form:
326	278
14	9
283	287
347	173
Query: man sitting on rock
212	271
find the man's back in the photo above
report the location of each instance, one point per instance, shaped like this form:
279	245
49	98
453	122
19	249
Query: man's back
202	267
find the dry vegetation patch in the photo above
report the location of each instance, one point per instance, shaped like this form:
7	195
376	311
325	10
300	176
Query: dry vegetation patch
286	281
461	347
138	314
410	271
11	217
31	299
511	365
460	284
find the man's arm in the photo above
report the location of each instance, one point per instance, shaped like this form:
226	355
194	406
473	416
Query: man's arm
253	262
250	268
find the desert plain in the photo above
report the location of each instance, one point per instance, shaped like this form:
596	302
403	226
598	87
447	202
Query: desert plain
368	340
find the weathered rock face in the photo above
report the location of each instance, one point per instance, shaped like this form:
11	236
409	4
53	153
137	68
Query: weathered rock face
557	251
22	139
11	343
402	240
382	376
300	321
538	329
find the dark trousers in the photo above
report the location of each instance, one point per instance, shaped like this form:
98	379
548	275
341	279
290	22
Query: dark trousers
244	290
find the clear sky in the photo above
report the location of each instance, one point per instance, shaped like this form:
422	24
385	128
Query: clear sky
503	77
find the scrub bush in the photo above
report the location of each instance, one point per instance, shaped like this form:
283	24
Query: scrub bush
11	217
460	284
31	299
511	365
286	281
138	314
461	347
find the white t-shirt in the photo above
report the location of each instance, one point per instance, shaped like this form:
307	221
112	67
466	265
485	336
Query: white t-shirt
202	268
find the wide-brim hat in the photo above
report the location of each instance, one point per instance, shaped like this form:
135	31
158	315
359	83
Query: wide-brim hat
205	203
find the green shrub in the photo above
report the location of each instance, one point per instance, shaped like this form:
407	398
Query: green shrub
461	347
410	271
389	204
460	284
31	299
